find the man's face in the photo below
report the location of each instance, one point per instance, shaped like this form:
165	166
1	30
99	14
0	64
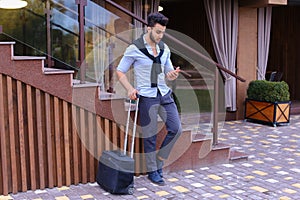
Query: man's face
157	33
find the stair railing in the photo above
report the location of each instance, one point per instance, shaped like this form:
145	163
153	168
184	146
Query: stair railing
168	37
196	53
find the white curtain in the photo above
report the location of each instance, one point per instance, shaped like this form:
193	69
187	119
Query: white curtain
222	18
138	10
99	55
264	29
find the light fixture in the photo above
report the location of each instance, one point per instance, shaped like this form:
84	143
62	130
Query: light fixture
160	8
12	4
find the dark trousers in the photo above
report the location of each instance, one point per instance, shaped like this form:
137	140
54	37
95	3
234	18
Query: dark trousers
149	109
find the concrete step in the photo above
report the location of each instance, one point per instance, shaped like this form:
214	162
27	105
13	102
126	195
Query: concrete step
235	155
194	151
50	71
30	70
28	58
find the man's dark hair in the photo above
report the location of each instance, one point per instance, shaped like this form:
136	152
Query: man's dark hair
157	17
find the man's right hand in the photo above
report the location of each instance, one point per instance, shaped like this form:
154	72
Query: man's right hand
132	94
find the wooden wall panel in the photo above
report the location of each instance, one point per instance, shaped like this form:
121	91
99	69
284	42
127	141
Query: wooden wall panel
284	44
246	54
75	145
191	21
58	147
47	142
12	132
49	155
100	136
21	131
261	3
83	138
31	138
91	147
40	139
3	141
67	145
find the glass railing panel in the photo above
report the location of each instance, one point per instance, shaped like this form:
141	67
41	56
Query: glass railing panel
106	37
67	7
194	93
101	33
25	26
64	34
29	30
64	40
66	22
100	24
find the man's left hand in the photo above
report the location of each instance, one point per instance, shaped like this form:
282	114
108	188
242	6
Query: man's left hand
172	75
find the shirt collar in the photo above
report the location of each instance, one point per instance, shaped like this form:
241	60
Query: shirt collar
148	46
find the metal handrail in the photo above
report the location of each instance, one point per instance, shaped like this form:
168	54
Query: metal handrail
197	53
177	41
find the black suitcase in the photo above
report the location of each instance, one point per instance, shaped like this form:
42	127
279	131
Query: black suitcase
115	169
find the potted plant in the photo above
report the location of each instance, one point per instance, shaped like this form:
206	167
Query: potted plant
268	102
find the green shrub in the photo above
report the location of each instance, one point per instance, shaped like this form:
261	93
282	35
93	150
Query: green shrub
269	91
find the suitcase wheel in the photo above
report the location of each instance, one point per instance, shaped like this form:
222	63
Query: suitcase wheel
130	190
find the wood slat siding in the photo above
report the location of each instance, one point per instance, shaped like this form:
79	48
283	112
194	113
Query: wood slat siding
11	130
91	148
21	132
57	145
75	141
3	141
31	137
83	150
40	138
284	44
47	142
67	146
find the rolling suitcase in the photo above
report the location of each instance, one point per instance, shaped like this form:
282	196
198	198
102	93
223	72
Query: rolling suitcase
115	169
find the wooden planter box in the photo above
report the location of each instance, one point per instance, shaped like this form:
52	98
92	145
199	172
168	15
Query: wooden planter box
267	112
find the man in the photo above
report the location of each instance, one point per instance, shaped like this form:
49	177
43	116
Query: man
150	58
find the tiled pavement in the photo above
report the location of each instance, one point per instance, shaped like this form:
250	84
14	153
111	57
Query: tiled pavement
272	171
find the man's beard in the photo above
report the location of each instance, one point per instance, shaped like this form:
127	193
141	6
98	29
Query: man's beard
152	38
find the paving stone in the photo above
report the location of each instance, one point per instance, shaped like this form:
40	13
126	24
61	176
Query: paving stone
271	172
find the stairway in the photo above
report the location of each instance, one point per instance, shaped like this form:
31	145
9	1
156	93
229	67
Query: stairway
193	149
31	70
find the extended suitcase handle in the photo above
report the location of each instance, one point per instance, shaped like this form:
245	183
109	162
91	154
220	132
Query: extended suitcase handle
134	126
